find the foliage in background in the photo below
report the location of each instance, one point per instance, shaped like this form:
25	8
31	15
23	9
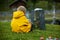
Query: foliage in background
4	4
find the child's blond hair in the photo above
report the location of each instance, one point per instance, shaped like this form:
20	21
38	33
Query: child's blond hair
22	8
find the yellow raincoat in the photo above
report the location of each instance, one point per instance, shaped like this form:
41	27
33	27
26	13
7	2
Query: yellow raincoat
20	23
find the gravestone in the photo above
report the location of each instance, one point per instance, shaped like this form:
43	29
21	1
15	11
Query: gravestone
39	18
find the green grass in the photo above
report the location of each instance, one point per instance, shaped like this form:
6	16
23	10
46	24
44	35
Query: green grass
7	34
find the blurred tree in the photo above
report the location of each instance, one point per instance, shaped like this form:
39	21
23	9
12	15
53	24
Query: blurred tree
31	4
45	4
4	5
42	4
57	6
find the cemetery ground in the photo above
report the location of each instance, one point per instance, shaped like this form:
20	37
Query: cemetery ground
7	34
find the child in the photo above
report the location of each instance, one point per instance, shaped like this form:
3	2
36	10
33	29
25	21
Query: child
19	22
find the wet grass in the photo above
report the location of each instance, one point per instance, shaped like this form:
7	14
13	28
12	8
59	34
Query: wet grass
7	34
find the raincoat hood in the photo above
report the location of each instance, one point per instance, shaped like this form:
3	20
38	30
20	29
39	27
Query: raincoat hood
18	14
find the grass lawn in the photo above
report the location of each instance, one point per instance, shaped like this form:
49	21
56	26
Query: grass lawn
7	34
